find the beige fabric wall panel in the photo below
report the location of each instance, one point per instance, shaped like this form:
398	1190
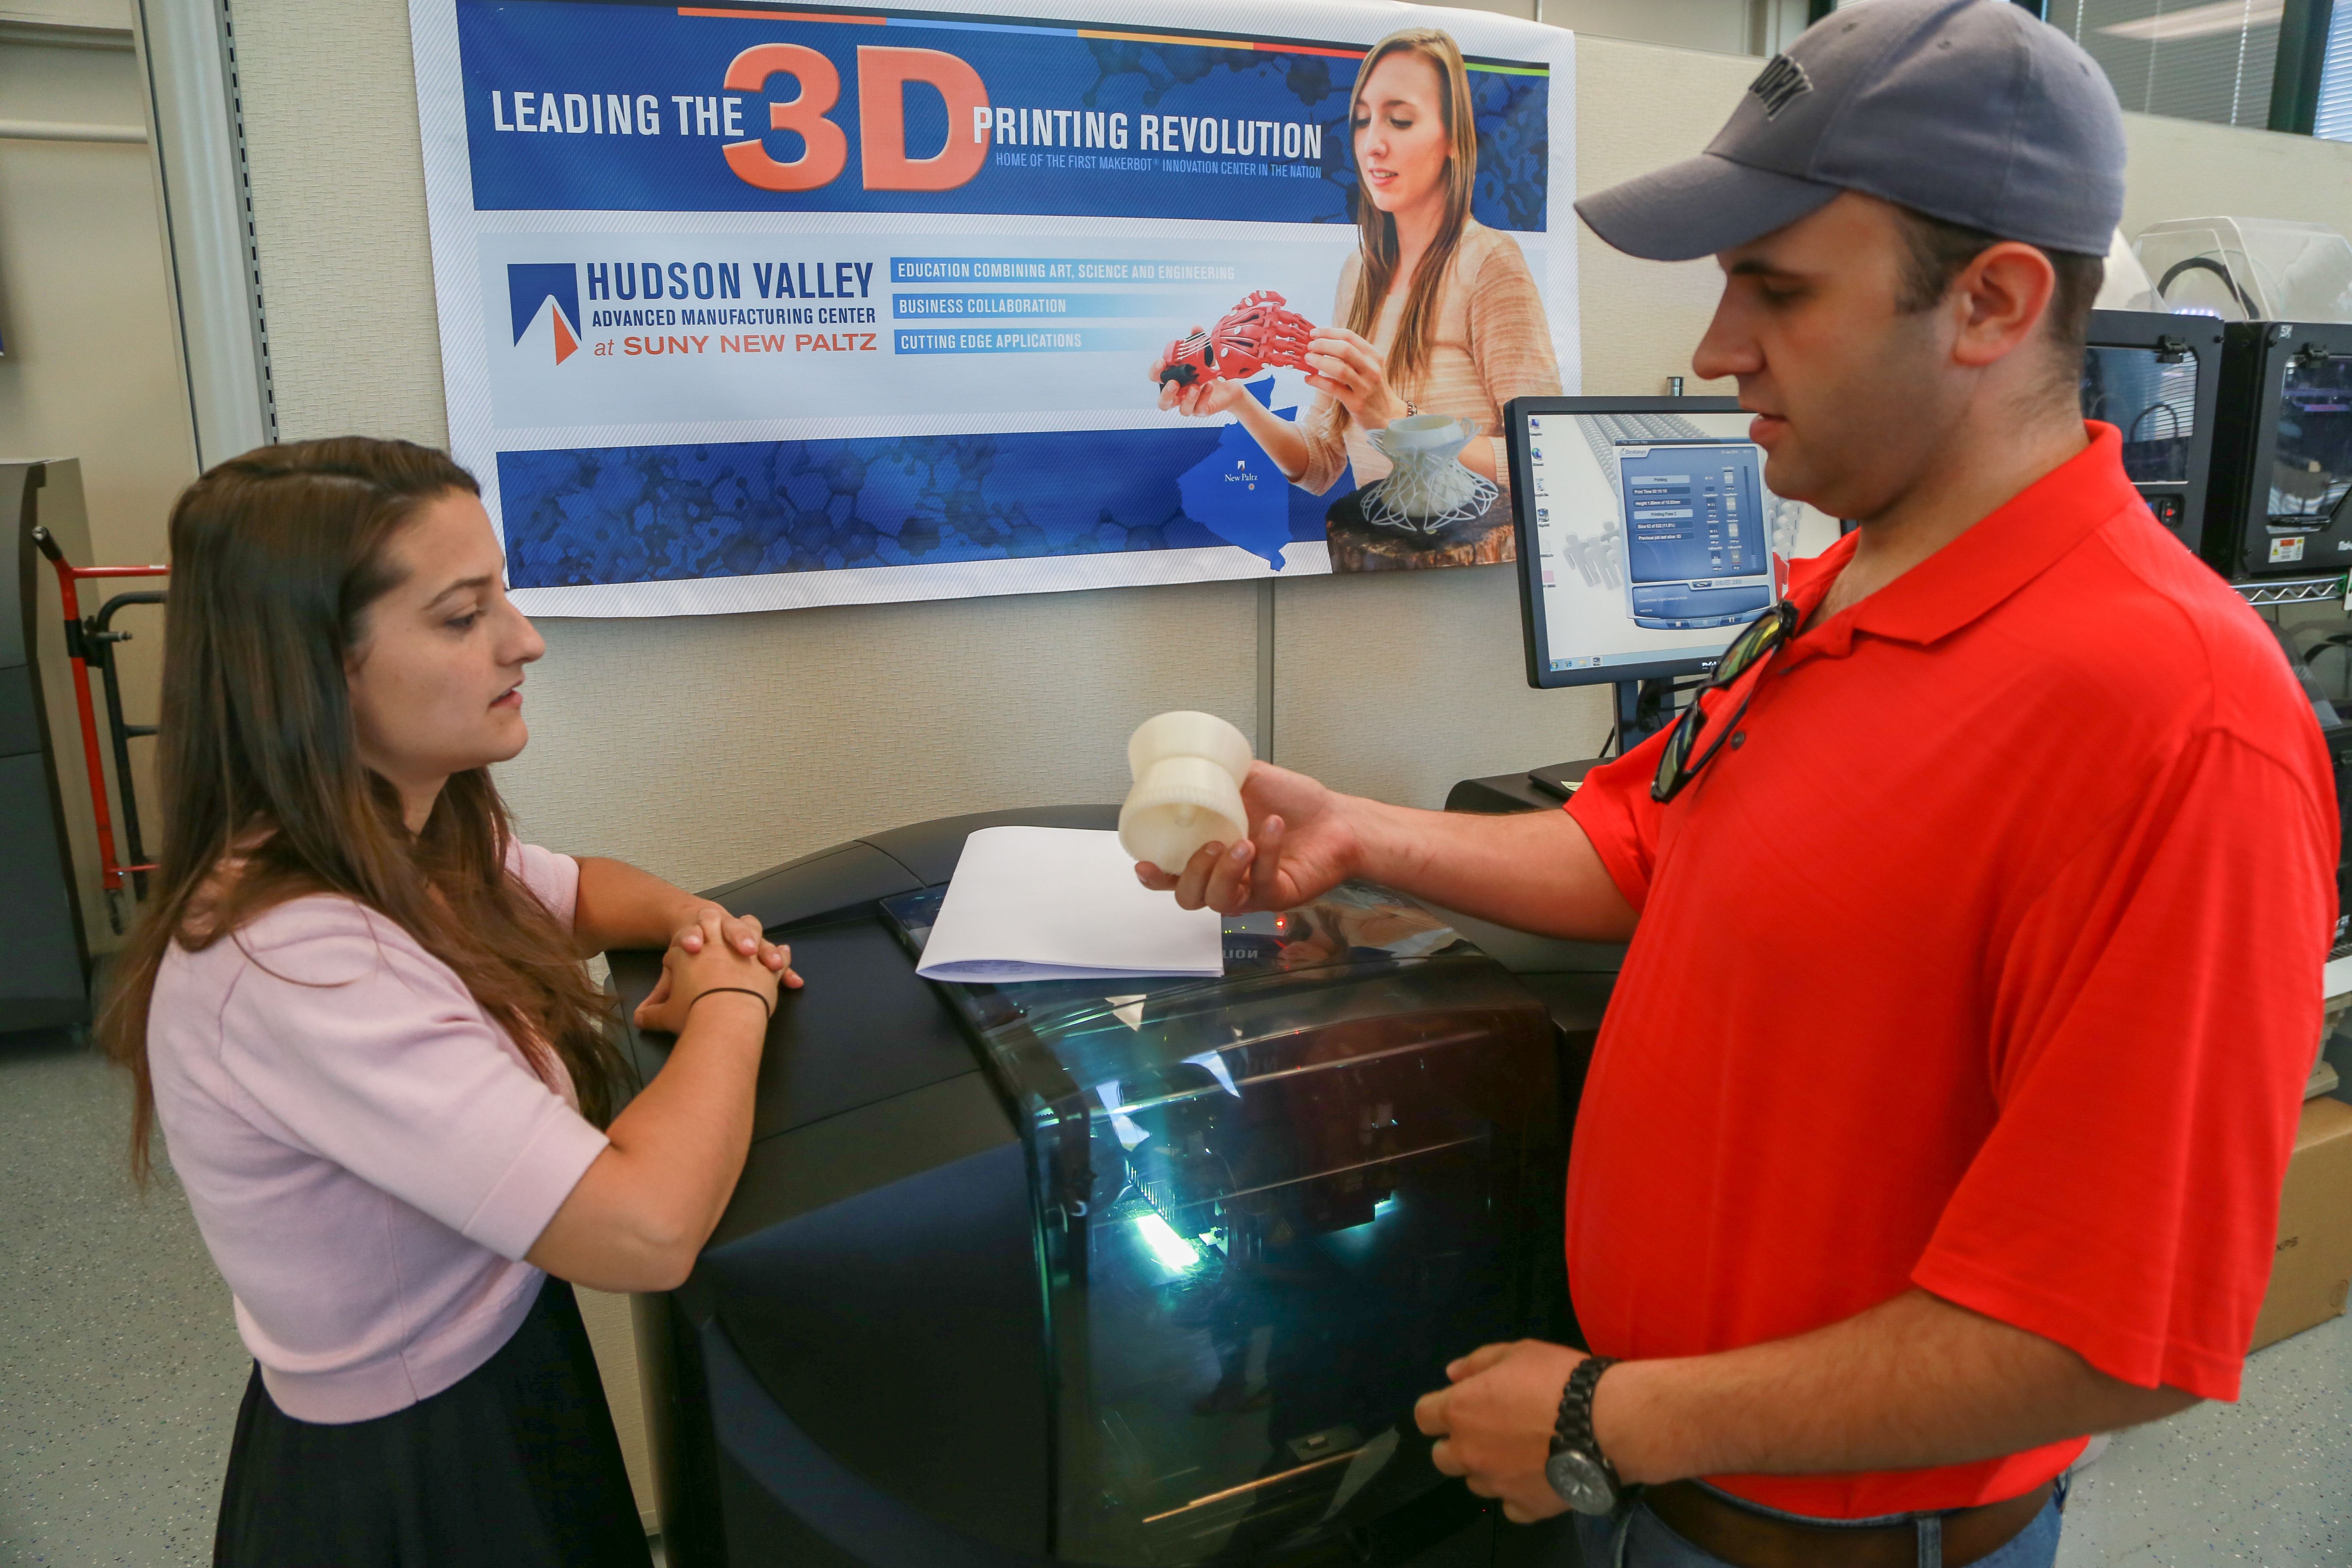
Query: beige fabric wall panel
1397	684
1729	26
336	163
612	1334
1724	26
86	299
1639	106
707	748
2186	168
1524	10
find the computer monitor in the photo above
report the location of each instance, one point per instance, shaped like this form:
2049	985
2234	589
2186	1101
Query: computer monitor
1648	536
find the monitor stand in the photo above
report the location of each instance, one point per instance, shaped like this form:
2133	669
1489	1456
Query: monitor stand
1643	707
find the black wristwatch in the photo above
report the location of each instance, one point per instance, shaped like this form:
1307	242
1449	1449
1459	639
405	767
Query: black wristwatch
1578	1471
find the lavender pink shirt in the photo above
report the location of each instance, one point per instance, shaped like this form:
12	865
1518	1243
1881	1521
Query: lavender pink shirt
367	1154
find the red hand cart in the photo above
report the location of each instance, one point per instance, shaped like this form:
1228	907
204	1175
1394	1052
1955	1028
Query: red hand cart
91	643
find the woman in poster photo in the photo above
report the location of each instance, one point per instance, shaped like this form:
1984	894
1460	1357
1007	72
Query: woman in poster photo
1435	313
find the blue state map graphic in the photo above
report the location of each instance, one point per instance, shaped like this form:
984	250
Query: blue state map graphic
646	514
1236	492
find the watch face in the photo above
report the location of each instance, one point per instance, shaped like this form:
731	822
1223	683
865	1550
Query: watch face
1580	1482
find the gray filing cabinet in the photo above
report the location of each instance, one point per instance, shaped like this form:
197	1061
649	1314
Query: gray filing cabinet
48	846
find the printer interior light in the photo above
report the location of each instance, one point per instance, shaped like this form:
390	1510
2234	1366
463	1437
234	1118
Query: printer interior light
1171	1249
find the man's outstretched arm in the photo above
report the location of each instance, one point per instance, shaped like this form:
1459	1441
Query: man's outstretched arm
1536	872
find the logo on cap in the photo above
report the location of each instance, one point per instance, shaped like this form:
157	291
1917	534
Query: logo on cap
1781	83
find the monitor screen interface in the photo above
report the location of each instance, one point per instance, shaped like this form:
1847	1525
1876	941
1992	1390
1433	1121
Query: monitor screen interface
1657	536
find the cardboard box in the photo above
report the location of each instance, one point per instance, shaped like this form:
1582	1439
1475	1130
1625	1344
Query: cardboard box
2313	1266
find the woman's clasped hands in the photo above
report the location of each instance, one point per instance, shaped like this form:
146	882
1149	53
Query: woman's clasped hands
715	951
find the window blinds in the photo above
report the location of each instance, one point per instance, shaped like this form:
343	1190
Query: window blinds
2210	61
2335	118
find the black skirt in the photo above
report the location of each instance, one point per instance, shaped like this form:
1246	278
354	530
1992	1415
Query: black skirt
516	1465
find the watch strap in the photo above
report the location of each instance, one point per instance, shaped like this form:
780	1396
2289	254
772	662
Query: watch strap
1573	1429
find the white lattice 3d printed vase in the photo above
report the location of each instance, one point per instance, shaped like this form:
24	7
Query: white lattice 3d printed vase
1188	769
1429	487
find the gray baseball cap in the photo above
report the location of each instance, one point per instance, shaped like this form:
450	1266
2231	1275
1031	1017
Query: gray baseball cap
1967	110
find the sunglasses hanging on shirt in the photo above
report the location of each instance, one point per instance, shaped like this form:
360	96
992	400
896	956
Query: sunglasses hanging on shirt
1752	647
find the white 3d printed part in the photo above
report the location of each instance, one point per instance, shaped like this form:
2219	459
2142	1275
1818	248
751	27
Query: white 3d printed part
1429	489
1188	769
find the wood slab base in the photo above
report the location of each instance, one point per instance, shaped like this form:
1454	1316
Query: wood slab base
1357	545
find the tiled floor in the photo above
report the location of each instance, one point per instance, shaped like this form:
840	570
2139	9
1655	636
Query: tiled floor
119	1370
2267	1480
119	1374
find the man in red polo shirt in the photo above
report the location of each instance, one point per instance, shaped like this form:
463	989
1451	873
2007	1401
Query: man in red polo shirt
1976	924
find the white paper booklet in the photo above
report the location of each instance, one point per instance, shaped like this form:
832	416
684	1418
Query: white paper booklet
1061	903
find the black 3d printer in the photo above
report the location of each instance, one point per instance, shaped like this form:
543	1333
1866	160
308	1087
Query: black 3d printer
1129	1273
2317	634
2277	523
2280	294
2282	474
2156	378
2283	455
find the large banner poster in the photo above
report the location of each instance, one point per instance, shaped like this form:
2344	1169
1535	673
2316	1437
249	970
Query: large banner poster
749	307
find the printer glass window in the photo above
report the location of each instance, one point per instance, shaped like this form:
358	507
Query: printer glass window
2151	397
2311	468
1271	1207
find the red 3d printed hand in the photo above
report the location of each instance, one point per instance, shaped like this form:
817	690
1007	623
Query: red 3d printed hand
1260	330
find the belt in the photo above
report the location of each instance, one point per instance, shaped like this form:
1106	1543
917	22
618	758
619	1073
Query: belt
1747	1539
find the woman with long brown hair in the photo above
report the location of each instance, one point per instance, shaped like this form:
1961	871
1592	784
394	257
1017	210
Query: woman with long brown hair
1437	314
355	1004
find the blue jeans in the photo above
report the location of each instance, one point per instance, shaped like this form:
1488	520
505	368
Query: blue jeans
1633	1537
